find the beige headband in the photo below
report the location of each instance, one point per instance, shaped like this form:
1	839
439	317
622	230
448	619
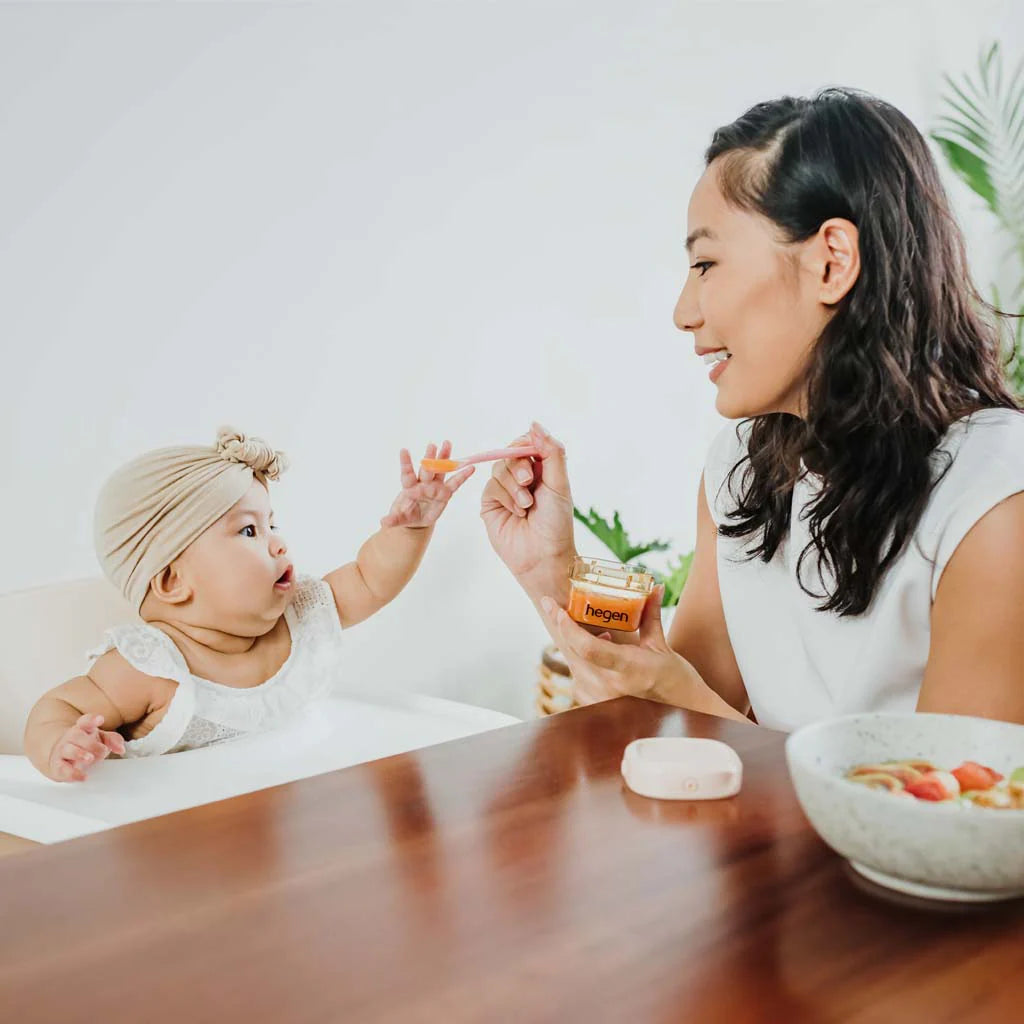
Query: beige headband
151	509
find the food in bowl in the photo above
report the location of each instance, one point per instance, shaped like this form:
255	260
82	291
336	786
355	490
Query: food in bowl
938	850
970	784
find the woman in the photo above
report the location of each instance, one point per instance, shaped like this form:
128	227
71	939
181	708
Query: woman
860	533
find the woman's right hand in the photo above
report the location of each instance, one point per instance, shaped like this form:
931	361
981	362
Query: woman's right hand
527	509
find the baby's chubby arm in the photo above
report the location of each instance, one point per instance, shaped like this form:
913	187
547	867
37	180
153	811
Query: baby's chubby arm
73	726
390	558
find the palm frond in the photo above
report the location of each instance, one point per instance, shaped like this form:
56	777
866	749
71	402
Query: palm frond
972	168
981	134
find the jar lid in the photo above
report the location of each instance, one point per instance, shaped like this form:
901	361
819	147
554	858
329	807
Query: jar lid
682	768
603	573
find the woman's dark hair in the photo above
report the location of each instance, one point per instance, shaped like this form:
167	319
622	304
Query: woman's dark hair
907	352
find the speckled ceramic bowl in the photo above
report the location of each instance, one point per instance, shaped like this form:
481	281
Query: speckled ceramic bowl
944	851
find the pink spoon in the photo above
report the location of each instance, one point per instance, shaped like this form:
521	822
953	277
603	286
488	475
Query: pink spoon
450	465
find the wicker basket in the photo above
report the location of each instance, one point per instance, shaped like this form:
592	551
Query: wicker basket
554	683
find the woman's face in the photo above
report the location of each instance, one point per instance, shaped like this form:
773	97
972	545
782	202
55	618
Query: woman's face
751	295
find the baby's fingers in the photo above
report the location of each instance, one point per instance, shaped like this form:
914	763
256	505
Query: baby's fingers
424	476
113	741
66	771
89	723
435	453
91	742
453	483
69	750
409	477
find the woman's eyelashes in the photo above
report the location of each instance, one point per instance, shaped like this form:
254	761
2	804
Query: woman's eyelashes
703	266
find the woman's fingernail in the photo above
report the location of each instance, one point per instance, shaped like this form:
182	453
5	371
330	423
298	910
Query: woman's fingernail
540	430
524	476
547	604
524	498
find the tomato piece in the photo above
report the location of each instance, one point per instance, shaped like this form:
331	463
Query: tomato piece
972	775
928	788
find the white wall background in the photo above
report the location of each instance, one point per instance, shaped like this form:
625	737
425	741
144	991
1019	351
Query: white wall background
352	227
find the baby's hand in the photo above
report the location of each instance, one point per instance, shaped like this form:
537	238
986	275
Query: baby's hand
424	496
82	746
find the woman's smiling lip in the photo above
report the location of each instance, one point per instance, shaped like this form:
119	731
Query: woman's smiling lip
718	365
718	369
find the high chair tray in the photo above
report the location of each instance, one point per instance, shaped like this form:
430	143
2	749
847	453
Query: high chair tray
330	734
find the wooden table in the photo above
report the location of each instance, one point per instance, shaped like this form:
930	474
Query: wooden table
508	876
15	844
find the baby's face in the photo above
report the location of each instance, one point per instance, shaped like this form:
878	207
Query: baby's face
238	570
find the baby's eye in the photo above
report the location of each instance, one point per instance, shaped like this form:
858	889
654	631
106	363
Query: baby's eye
248	531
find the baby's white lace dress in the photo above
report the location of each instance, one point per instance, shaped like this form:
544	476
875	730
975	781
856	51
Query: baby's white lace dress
203	712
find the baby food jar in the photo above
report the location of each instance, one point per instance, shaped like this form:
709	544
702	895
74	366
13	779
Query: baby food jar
608	594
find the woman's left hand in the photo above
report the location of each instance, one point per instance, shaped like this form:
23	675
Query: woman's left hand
602	669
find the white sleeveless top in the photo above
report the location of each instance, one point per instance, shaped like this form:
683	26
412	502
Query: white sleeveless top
801	665
203	712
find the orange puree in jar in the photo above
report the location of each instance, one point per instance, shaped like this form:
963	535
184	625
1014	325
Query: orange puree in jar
608	594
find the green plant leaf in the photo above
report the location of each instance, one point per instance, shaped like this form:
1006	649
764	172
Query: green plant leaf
675	580
981	134
982	137
1016	372
971	168
965	118
985	62
614	536
948	128
967	107
1012	340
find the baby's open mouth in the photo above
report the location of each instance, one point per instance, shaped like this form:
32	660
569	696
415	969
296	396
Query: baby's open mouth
284	581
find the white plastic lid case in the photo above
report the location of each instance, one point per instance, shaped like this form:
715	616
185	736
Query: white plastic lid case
682	768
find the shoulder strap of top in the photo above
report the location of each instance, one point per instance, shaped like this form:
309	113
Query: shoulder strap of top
153	653
145	648
313	606
985	465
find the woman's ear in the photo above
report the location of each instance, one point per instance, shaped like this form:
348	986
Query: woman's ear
169	586
837	258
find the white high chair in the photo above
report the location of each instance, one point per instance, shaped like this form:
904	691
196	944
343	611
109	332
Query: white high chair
45	633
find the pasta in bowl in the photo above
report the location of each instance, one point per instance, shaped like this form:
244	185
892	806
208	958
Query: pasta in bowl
876	789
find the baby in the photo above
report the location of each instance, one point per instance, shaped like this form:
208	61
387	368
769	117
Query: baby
231	640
